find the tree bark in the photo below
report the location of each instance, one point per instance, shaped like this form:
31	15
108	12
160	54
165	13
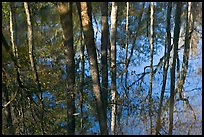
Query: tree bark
113	65
104	50
82	70
65	11
126	47
91	49
151	62
166	65
33	65
13	31
173	64
189	27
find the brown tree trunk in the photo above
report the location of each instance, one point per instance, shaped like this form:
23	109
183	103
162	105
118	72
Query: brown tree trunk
172	69
65	11
104	50
166	65
91	49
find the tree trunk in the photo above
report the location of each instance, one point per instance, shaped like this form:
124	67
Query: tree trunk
82	70
173	64
126	47
82	83
134	41
65	11
91	49
151	62
113	64
166	65
189	27
13	31
104	50
33	65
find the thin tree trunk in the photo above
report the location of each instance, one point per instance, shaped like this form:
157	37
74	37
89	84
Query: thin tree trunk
113	65
173	64
104	50
166	65
65	11
13	31
126	47
82	82
151	62
33	65
189	26
91	49
82	70
126	61
134	40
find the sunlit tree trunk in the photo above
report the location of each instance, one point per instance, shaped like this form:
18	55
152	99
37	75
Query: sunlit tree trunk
65	11
151	62
173	64
113	65
127	36
33	65
166	65
91	49
13	31
104	50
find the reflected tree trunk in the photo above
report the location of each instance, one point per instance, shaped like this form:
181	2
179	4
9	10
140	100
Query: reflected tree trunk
173	64
104	50
82	70
166	65
65	11
126	47
189	29
33	64
151	62
86	11
113	65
